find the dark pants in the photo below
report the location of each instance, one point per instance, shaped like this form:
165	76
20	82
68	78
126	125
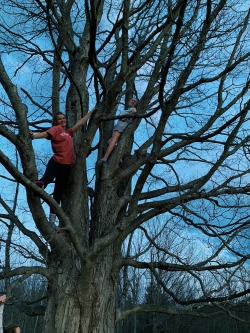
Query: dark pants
61	173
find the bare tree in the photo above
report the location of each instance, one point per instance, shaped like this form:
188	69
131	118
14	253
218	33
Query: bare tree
183	157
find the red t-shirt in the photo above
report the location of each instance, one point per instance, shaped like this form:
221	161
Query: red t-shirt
62	144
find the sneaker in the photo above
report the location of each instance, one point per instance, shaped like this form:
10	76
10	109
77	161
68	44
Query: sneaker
40	184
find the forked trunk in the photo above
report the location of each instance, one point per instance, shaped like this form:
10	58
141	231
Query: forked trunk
82	299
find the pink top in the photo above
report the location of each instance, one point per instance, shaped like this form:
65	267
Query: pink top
62	144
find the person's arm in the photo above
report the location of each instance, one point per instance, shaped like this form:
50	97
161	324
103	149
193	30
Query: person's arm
42	135
131	112
2	300
83	120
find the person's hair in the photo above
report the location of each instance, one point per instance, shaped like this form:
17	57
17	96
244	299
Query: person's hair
54	119
10	329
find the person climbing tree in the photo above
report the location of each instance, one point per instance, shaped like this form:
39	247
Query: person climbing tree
59	166
119	128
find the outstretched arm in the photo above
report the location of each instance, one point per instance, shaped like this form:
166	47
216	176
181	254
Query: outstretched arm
83	120
42	135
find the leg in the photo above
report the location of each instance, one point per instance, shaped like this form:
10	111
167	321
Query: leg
112	142
60	186
61	182
51	172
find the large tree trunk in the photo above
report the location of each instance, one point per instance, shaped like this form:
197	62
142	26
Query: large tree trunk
81	299
82	292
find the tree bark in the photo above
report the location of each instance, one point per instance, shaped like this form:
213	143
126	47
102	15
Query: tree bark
81	298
